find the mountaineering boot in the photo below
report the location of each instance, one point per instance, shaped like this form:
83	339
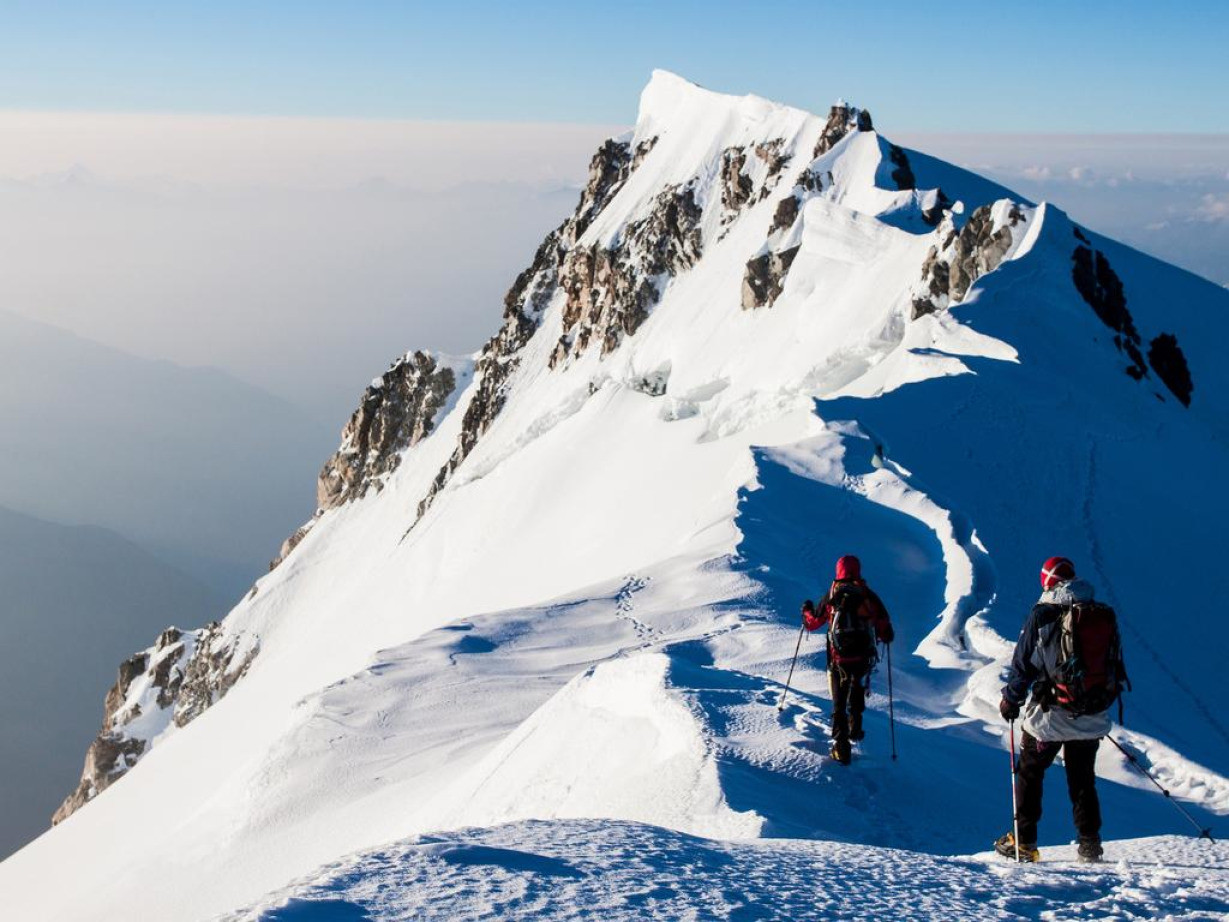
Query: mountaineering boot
1005	845
840	751
1089	851
856	733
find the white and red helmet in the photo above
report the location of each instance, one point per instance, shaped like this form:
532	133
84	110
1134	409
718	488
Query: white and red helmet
1056	570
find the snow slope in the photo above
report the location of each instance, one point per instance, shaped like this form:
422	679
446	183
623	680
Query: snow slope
592	617
619	870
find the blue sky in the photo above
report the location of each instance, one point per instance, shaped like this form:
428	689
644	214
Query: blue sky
1070	67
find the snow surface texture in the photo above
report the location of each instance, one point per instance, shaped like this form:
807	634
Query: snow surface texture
619	870
586	634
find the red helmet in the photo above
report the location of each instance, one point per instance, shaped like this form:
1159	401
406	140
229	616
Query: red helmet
849	567
1056	570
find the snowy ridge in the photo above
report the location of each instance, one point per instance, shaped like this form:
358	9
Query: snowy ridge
573	596
624	871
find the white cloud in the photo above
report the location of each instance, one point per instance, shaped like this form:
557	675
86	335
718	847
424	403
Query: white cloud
1213	207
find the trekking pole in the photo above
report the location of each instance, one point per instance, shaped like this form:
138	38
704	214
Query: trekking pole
891	704
1015	810
797	647
1203	833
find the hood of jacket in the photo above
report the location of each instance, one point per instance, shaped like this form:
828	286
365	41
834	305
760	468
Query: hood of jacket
1068	593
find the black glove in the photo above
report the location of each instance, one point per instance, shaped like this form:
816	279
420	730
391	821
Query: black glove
887	635
808	607
1009	711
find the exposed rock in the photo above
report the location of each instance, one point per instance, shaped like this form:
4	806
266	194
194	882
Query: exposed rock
933	214
775	159
950	268
1100	286
1167	360
218	662
736	186
158	689
608	171
528	298
764	278
842	119
397	411
295	539
106	761
609	292
785	216
902	173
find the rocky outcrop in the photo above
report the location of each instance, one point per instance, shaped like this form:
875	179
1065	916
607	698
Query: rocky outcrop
842	119
764	278
902	172
765	272
156	690
749	174
218	661
1102	289
736	186
963	256
1167	360
397	411
609	291
1099	285
529	296
785	215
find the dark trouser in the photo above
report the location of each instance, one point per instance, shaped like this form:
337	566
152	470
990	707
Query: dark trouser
848	684
1080	760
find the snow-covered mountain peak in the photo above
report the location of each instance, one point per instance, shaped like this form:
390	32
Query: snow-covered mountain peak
561	579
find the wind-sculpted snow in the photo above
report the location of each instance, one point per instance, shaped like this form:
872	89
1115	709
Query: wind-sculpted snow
625	871
575	598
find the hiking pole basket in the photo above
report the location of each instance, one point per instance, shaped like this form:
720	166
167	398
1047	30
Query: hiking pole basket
1204	833
798	646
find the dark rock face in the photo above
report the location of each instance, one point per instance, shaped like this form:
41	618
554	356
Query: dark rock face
902	173
785	215
397	411
217	663
1169	363
764	278
738	188
842	119
184	673
610	292
1100	286
933	215
106	761
952	267
775	159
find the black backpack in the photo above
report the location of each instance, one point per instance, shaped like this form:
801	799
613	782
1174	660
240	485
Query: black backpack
850	636
1090	674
